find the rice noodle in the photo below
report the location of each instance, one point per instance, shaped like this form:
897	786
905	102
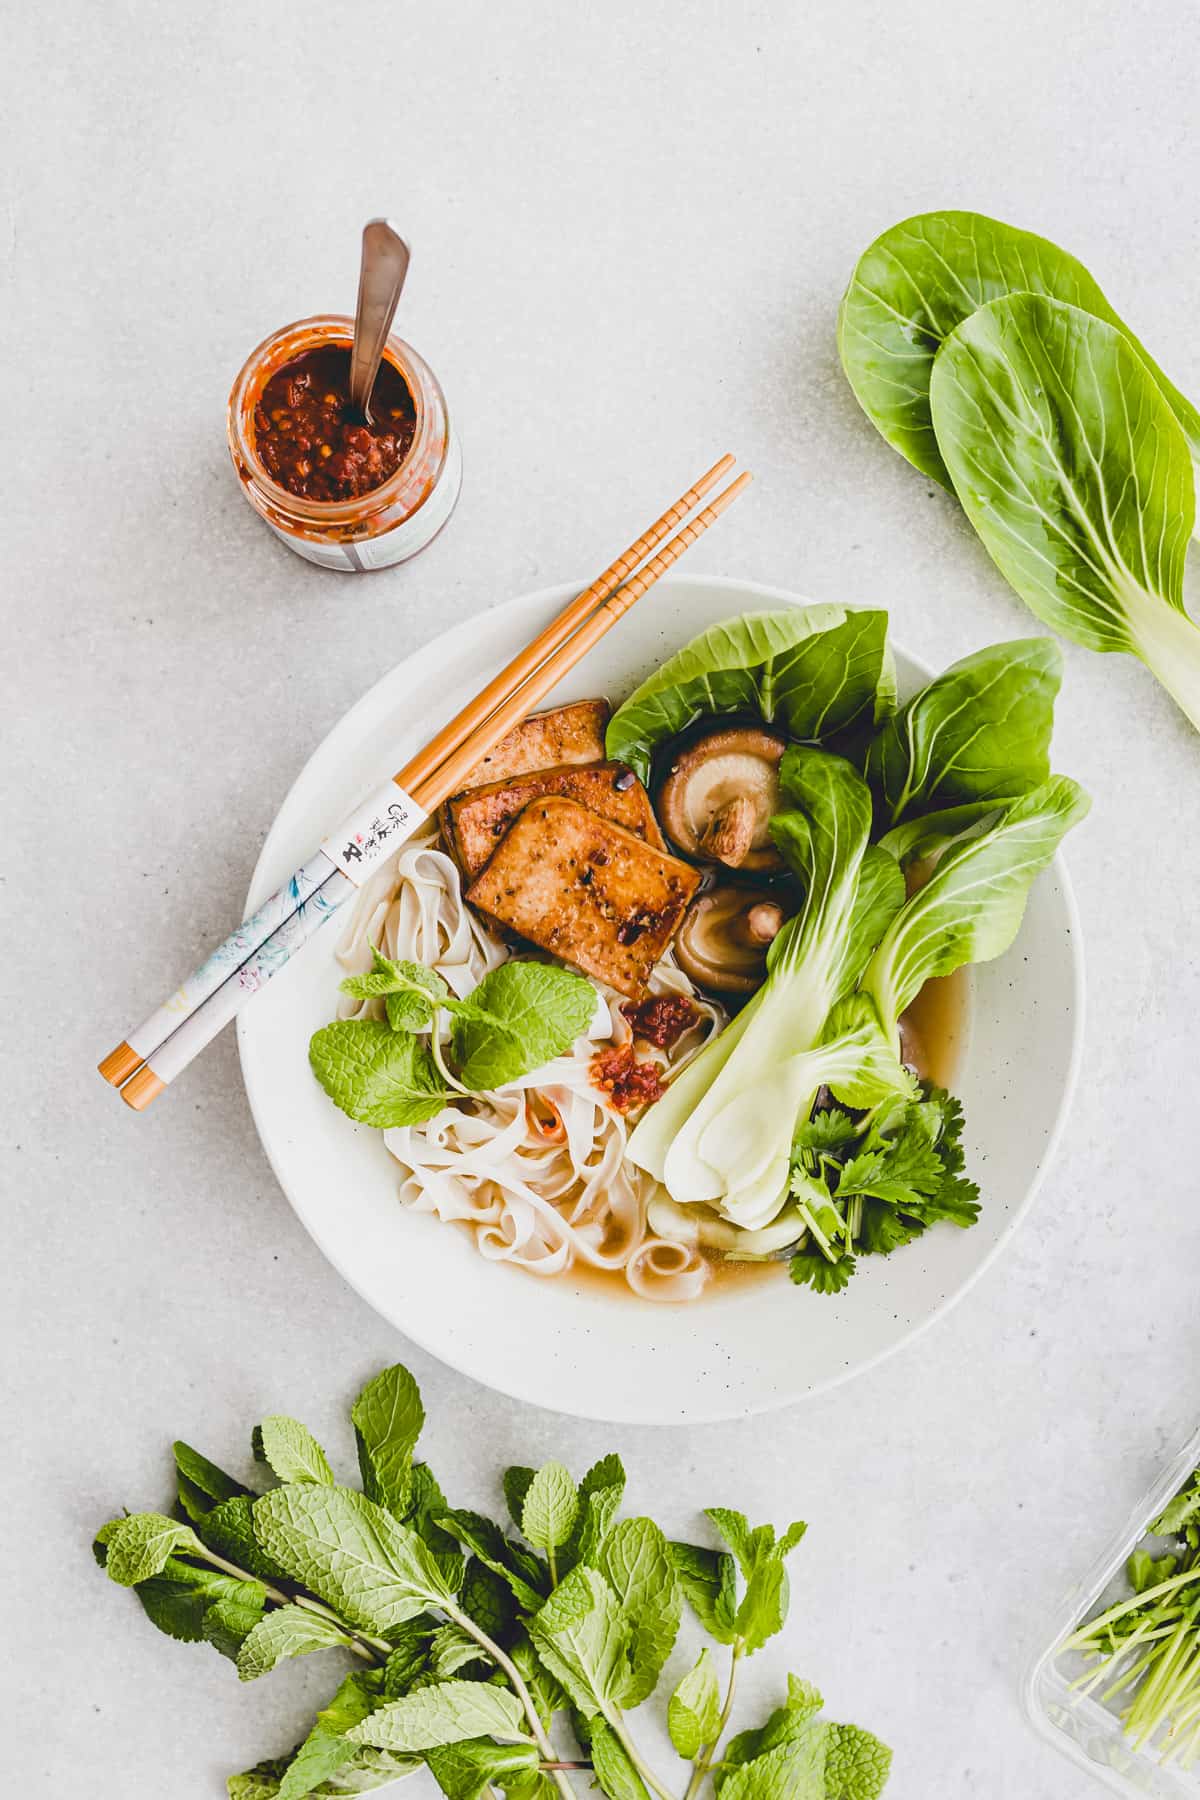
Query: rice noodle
536	1170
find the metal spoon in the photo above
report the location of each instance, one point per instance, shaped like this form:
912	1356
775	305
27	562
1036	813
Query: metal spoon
385	258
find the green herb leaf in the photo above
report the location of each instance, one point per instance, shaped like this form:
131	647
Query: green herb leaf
291	1450
412	991
327	1750
387	1419
201	1483
857	1765
520	1016
579	1634
812	1268
616	1774
286	1632
522	1571
788	1723
231	1618
141	1544
378	1076
795	1771
229	1530
709	1582
550	1507
600	1494
178	1599
516	1486
545	1691
351	1553
694	1709
445	1714
451	1649
635	1561
466	1770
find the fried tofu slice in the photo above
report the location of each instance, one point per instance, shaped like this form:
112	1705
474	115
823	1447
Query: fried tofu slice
587	890
475	822
565	734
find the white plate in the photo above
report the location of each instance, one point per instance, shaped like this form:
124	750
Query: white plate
742	1350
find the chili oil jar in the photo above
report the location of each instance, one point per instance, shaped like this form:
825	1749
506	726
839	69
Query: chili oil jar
339	491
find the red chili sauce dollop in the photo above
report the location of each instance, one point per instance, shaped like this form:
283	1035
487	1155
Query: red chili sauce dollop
660	1019
626	1081
313	443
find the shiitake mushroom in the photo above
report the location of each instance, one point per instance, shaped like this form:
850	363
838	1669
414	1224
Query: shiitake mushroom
723	941
718	797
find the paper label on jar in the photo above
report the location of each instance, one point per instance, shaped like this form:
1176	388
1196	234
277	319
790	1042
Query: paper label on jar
373	831
402	541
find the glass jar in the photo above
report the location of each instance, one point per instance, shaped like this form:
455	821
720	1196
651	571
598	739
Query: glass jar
389	523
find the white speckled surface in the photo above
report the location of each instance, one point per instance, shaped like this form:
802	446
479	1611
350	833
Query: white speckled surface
631	229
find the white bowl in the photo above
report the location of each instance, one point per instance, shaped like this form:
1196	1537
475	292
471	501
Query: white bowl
743	1349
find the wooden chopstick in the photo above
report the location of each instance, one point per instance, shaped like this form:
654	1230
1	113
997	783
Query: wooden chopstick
125	1060
451	772
502	686
192	1018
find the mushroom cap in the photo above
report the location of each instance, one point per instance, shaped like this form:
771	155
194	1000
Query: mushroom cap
724	938
716	803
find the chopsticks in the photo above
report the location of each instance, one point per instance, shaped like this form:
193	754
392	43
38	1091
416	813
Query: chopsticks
153	1055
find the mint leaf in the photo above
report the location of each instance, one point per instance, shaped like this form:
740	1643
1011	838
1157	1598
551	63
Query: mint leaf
291	1450
409	1656
787	1724
487	1598
520	1016
600	1494
177	1600
524	1574
709	1582
545	1690
635	1560
286	1632
229	1530
795	1771
516	1486
378	1076
466	1770
765	1602
426	1505
411	990
580	1636
550	1508
231	1618
259	1783
451	1649
694	1709
350	1553
857	1765
387	1419
616	1774
327	1749
201	1483
140	1545
444	1714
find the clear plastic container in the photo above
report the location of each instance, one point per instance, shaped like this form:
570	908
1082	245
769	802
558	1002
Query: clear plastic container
1085	1730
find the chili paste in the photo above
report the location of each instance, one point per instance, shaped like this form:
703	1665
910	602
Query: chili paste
313	442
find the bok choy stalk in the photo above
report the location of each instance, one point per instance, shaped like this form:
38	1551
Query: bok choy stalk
1076	474
971	908
722	1133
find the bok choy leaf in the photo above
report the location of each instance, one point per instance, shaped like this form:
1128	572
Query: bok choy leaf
1076	474
971	908
917	282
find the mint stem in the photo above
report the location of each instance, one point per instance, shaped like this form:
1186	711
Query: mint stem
617	1721
704	1760
493	1650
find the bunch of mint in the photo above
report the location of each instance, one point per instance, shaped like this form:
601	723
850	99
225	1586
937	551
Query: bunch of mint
474	1651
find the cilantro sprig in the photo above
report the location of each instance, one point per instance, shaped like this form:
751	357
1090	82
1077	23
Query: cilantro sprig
521	1015
505	1661
864	1184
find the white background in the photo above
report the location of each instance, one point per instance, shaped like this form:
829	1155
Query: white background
631	226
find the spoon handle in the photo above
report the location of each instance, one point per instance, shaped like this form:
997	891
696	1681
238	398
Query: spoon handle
385	257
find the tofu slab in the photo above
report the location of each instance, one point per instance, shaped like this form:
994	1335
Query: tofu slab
587	890
475	822
565	734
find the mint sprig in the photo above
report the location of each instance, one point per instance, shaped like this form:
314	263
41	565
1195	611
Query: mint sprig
477	1652
520	1016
